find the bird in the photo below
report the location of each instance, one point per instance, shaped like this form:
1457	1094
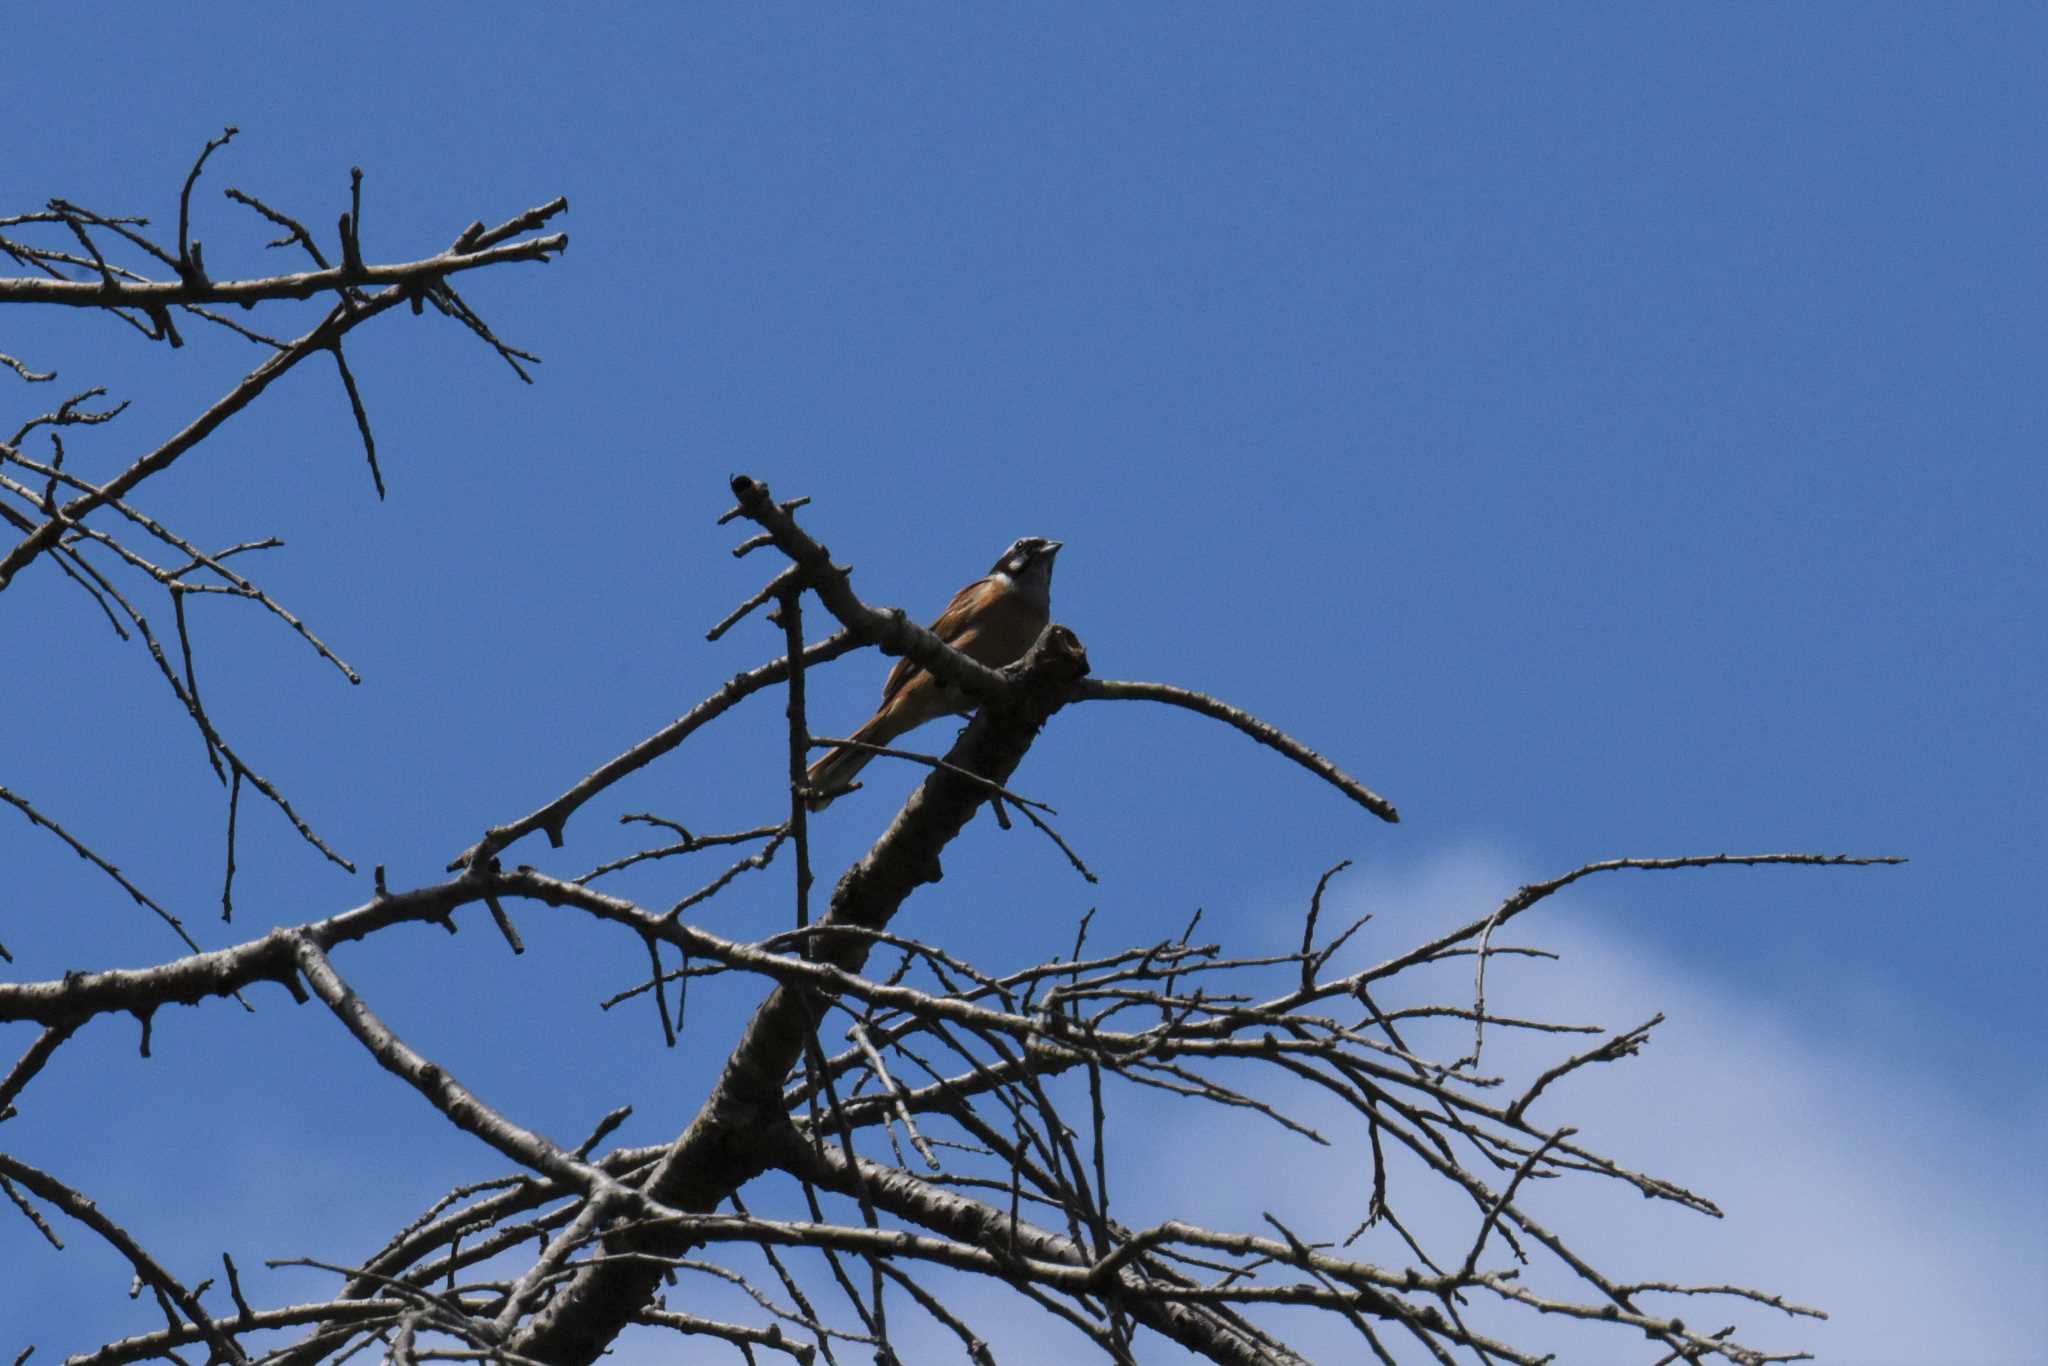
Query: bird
993	620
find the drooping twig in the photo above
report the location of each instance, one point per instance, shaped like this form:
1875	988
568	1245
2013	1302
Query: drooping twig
136	894
1096	689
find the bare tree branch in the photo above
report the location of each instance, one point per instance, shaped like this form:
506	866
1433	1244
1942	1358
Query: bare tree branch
1013	1084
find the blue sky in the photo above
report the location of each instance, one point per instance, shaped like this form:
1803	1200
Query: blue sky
1604	432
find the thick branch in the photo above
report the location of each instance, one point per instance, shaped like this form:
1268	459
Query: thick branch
725	1145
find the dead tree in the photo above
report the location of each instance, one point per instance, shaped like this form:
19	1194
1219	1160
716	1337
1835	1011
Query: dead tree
935	1118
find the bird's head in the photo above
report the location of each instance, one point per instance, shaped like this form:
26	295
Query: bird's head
1028	564
1029	557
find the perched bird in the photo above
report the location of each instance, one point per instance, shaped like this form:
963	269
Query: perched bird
993	620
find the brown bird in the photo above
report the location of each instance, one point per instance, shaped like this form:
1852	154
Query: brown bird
993	620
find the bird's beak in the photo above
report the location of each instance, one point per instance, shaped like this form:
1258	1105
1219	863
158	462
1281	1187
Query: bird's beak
1053	547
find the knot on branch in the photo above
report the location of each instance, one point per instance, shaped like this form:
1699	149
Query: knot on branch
1048	671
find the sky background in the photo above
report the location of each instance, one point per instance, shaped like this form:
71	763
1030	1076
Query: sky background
1604	432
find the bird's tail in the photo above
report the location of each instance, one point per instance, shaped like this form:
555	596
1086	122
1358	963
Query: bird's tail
832	775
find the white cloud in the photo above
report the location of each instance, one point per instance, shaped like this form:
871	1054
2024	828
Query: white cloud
1892	1200
1901	1203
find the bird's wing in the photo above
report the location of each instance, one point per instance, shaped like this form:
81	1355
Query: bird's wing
952	627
